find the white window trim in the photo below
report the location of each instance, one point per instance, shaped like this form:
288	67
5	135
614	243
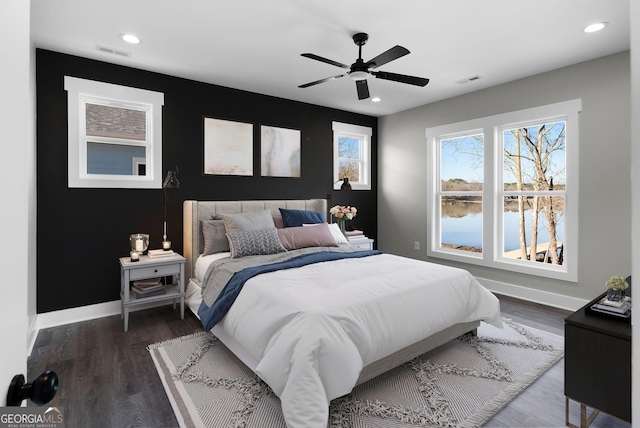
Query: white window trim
491	255
81	90
363	132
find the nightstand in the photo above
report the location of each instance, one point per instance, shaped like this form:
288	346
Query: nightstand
146	268
597	365
364	243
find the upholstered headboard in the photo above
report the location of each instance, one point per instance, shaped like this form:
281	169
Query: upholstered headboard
194	212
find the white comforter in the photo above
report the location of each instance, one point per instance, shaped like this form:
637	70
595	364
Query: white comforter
313	329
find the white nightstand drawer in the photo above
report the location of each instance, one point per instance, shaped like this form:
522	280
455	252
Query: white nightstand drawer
365	244
153	271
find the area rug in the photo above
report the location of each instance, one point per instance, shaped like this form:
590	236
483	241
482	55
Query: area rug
463	383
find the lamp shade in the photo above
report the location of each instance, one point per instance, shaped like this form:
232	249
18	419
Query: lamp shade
171	180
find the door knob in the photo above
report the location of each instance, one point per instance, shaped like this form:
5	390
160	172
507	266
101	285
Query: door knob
40	391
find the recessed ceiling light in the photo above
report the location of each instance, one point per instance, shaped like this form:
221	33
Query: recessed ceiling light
597	26
130	38
376	99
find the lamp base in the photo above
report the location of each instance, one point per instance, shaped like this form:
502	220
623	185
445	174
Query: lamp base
166	245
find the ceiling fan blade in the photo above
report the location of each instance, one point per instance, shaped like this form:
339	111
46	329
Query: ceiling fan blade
388	56
306	85
325	60
411	80
363	89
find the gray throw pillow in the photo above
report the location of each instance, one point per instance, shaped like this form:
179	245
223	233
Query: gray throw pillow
254	243
215	237
252	220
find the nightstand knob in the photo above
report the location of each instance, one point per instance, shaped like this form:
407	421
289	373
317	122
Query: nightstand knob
155	270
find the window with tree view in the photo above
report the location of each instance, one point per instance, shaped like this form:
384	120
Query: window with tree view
352	155
533	191
349	161
505	196
461	188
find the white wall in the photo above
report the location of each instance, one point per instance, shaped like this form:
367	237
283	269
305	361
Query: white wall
605	189
17	213
635	210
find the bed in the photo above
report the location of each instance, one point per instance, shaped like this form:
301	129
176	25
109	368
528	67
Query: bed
314	331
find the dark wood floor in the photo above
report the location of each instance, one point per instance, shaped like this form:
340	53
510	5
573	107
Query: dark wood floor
107	378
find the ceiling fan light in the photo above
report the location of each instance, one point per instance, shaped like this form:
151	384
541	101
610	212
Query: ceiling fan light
358	75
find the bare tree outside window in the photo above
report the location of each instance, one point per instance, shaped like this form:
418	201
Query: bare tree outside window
533	185
349	158
502	191
535	166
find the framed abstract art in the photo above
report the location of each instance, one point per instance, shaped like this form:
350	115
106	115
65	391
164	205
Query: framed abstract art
228	147
280	152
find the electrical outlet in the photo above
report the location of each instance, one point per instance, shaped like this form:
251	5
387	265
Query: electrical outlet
416	246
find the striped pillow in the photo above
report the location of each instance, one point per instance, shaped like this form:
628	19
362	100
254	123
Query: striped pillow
244	243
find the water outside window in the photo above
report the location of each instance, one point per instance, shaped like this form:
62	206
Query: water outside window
533	185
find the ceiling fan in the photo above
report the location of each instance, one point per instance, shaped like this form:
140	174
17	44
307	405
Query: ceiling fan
360	70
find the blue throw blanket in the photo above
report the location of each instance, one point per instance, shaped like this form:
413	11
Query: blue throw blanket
211	315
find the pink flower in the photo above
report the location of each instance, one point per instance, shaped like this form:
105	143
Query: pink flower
343	213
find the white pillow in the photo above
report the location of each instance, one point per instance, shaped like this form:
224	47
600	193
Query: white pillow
335	231
251	220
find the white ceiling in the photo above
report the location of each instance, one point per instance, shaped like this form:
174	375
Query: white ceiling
255	45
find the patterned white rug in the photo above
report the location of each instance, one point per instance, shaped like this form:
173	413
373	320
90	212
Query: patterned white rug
463	383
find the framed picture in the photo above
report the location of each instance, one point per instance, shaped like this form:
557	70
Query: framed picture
280	155
228	147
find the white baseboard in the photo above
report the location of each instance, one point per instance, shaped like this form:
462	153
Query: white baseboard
32	333
533	295
82	313
69	316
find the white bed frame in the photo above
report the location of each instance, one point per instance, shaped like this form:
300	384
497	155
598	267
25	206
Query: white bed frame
194	212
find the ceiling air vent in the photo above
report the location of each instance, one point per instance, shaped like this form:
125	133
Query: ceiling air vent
467	80
113	51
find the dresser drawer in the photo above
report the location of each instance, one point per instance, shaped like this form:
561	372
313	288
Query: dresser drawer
153	271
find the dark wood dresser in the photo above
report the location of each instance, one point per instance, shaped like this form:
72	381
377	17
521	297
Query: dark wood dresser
597	370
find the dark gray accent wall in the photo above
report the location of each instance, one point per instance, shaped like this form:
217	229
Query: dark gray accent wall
82	232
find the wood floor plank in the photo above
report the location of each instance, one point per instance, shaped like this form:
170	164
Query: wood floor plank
107	377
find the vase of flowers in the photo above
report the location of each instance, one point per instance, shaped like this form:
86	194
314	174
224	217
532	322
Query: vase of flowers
342	214
616	286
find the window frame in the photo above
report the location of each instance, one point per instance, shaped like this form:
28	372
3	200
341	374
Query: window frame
493	189
439	192
362	133
82	91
